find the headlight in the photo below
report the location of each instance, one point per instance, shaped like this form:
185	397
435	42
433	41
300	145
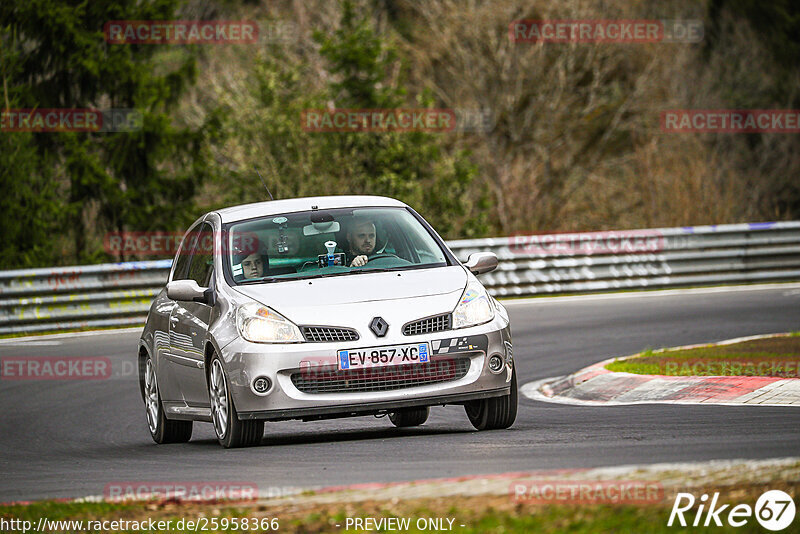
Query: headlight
261	324
500	309
474	308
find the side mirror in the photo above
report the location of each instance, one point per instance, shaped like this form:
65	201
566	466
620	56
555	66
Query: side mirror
189	291
481	262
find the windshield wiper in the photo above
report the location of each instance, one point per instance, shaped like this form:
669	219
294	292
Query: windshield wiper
345	273
290	278
372	270
269	279
266	279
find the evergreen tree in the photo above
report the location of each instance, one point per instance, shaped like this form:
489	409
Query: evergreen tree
55	56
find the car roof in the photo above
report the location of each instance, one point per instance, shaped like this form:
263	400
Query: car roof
275	207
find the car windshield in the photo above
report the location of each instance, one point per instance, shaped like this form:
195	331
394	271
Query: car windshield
333	242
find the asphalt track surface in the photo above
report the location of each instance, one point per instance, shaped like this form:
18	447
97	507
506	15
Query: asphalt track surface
70	438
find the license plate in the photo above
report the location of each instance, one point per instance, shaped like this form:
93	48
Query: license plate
383	356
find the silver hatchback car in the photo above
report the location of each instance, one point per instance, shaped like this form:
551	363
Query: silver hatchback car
317	308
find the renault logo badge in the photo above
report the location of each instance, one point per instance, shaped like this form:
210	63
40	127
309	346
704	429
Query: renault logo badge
379	326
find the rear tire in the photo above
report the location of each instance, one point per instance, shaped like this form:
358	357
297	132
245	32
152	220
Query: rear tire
494	413
162	430
409	417
231	432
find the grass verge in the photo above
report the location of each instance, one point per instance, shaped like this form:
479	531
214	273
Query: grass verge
464	514
774	357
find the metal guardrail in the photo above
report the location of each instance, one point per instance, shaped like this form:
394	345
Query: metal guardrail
119	294
654	258
94	296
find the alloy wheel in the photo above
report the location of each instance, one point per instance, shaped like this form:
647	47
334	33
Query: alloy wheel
218	391
151	396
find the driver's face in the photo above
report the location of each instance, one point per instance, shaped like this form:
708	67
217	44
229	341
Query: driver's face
362	239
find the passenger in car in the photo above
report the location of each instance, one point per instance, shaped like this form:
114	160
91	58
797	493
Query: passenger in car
250	261
253	266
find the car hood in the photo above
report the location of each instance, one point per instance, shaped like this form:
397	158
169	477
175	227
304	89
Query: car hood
342	299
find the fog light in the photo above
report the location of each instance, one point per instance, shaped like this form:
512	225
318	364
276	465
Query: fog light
495	363
261	384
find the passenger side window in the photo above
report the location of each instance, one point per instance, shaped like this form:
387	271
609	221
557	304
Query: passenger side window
185	254
203	256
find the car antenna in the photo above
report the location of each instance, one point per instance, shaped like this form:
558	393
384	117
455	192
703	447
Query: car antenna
265	184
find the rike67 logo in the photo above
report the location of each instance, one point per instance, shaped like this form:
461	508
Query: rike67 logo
774	510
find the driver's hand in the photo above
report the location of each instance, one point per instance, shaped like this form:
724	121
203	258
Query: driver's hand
358	261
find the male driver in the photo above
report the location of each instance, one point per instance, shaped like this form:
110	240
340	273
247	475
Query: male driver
360	241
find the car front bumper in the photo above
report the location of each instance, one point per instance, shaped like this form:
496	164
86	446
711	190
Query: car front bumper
246	361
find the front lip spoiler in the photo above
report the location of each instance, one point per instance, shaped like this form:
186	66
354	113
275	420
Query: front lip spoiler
369	408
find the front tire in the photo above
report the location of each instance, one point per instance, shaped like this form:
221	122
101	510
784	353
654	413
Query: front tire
494	413
410	417
231	432
162	430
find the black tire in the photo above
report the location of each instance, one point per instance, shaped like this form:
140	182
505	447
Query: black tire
410	416
494	413
162	430
234	433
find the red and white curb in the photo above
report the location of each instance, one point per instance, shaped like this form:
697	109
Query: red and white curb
597	386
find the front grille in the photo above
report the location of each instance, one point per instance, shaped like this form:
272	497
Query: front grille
316	380
437	323
323	334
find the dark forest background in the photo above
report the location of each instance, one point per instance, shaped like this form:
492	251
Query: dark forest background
575	141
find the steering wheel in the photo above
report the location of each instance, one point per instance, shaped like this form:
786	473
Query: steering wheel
383	255
383	260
